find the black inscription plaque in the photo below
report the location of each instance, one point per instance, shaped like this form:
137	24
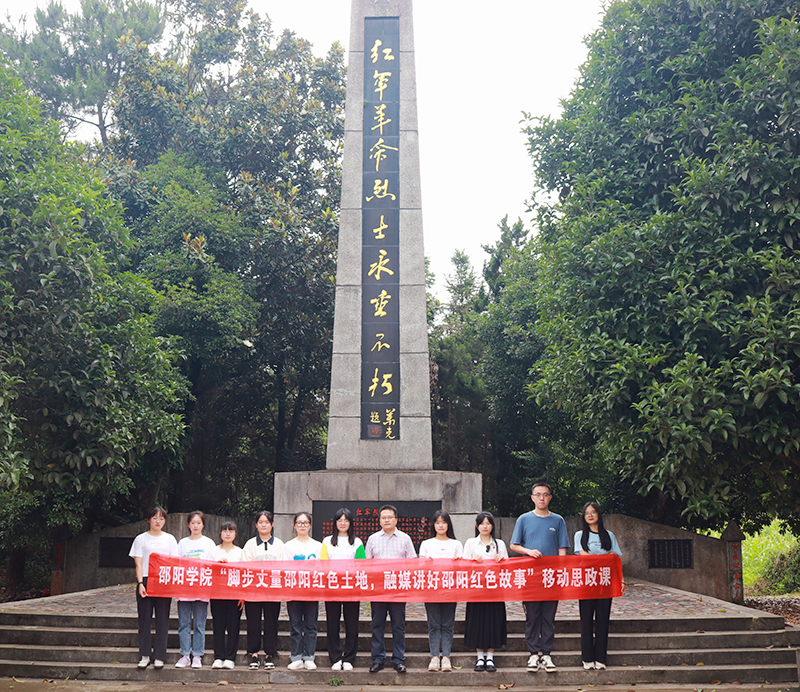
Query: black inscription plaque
414	518
380	230
670	554
113	552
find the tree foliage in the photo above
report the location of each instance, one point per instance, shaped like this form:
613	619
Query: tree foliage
87	387
73	62
669	278
227	161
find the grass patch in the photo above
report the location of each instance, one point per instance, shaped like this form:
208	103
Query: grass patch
759	551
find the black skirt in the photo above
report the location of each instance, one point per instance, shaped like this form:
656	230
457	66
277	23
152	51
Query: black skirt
485	626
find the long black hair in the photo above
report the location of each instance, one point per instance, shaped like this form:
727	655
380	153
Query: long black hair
605	539
444	515
479	520
351	530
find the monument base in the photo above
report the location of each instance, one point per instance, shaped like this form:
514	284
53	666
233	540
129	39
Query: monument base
459	494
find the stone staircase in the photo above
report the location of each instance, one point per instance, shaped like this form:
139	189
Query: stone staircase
748	652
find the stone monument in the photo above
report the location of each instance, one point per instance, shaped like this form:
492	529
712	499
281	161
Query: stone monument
379	432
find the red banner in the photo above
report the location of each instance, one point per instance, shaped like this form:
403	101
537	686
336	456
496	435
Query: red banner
432	581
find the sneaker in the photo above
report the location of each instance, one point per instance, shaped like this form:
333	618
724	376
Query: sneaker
254	662
269	664
434	664
547	663
217	663
144	662
446	665
599	666
183	662
588	665
297	665
227	663
337	666
347	665
310	665
158	664
533	663
197	662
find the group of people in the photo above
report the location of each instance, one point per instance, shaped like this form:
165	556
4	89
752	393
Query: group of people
536	534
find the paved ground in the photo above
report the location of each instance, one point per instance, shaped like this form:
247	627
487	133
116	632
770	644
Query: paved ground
641	600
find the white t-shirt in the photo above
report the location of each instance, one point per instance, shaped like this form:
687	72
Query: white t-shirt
433	547
198	549
254	551
474	546
145	544
235	555
307	550
342	550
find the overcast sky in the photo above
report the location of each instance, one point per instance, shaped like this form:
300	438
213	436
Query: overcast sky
513	56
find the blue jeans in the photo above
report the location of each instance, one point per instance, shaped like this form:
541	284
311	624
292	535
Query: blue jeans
441	621
192	644
303	623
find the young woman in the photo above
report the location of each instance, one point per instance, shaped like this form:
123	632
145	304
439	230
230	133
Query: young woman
226	613
303	615
485	626
264	546
342	545
441	616
594	539
154	540
192	613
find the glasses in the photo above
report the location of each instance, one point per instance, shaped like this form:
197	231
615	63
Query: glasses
302	523
541	495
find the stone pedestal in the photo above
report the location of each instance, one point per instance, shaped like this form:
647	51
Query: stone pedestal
459	493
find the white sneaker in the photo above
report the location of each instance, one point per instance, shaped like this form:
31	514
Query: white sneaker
158	665
533	663
588	665
227	663
197	662
347	665
296	665
547	663
217	663
310	665
434	664
446	665
337	666
183	662
599	666
143	662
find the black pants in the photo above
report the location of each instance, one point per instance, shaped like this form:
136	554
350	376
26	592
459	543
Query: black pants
227	619
595	615
333	611
268	611
397	612
145	607
540	626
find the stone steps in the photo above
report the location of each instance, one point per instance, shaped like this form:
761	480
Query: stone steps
739	650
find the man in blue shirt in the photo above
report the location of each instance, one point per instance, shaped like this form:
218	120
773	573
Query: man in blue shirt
536	534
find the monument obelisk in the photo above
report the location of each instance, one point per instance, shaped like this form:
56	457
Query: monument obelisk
379	431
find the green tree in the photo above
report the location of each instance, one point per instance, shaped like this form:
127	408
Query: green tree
87	389
73	62
227	161
668	278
